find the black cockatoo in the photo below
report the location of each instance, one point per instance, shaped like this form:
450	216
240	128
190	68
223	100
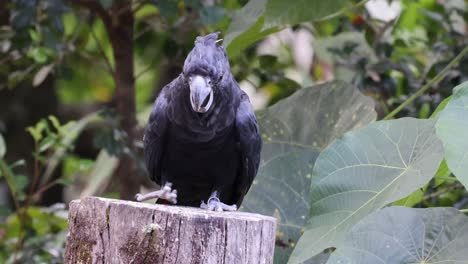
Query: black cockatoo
202	137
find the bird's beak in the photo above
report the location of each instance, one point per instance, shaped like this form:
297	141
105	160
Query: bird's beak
201	93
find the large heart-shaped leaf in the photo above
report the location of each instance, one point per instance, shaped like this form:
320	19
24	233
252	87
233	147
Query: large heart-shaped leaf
406	235
294	131
442	174
247	27
452	129
364	171
259	18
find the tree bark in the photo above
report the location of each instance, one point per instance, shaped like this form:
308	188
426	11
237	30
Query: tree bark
119	20
115	231
120	30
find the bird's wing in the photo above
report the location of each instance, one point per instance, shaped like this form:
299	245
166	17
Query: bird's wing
154	138
250	146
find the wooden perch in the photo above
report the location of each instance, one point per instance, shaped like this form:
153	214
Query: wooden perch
115	231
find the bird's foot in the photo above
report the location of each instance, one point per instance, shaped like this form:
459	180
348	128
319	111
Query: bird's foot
214	204
166	193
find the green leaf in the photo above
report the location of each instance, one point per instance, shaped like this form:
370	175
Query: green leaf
72	130
35	35
452	129
44	222
424	110
443	174
259	18
280	12
406	235
342	46
48	142
250	36
36	131
246	28
409	16
21	182
73	164
38	54
412	199
42	74
441	107
7	174
18	163
364	171
294	131
55	122
2	147
101	173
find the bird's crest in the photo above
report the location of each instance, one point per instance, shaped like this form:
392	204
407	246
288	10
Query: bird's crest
211	38
207	58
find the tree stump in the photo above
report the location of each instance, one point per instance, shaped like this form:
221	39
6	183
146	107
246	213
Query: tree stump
115	231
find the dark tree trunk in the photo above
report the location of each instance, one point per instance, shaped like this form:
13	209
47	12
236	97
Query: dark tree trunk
119	22
120	31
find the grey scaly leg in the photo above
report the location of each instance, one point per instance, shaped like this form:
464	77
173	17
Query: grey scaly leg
214	204
165	193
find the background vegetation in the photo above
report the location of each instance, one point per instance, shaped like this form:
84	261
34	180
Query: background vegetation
78	78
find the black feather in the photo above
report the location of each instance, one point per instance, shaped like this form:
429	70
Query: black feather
200	153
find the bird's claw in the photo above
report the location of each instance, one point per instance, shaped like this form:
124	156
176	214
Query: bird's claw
139	197
214	204
165	193
169	195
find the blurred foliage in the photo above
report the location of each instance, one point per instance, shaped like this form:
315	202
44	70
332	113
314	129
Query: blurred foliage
41	236
392	59
53	42
31	44
32	232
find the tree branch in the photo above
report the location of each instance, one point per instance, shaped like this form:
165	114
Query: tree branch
345	9
138	5
442	191
149	67
428	85
95	7
101	50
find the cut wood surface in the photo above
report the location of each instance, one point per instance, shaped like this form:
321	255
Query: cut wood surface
115	231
